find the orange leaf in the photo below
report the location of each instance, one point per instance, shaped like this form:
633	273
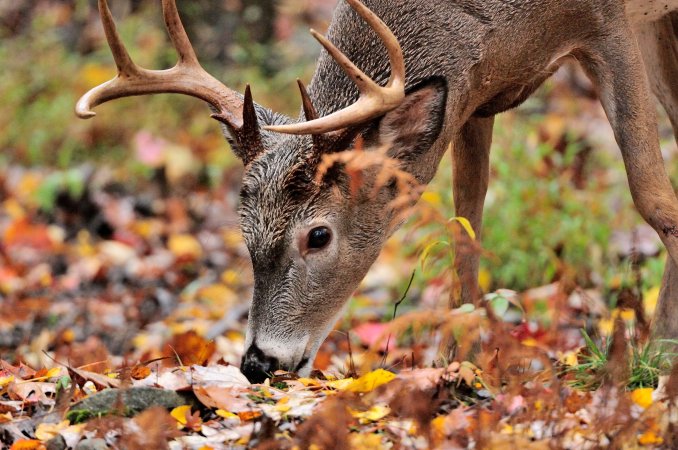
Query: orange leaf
28	444
191	348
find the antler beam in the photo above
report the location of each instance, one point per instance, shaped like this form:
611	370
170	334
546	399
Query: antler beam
186	77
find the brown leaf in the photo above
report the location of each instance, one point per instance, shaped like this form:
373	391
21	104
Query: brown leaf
139	372
225	398
33	391
190	348
81	376
157	425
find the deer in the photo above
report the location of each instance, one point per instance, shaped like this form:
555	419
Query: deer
412	77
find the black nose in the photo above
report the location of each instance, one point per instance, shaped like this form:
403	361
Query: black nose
256	366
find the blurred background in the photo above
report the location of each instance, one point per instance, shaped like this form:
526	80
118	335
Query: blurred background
120	237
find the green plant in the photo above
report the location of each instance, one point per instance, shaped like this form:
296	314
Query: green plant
645	363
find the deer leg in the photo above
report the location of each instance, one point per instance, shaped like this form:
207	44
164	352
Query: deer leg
658	43
617	69
471	169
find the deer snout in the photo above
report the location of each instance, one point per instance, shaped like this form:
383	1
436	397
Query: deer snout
257	366
260	362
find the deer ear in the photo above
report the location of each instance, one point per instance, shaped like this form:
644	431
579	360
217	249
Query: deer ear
411	129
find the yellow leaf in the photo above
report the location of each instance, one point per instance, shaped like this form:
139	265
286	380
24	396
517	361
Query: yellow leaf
339	385
438	428
282	407
650	301
308	382
484	279
650	438
4	381
464	222
51	373
216	294
226	414
642	397
569	358
184	245
529	342
230	277
375	413
68	335
371	381
180	414
627	314
46	431
605	327
432	198
14	209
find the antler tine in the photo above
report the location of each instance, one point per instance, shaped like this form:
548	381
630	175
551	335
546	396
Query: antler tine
309	110
177	33
122	59
187	77
374	100
320	142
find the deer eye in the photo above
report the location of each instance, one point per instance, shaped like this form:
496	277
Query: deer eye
319	237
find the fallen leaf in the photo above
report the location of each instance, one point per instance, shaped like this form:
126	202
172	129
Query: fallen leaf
223	376
375	413
190	348
33	391
28	444
184	246
642	397
180	414
220	397
46	431
371	381
139	372
100	381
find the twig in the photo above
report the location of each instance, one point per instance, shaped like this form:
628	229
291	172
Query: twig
395	311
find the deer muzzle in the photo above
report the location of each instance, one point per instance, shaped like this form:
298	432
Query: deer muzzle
263	357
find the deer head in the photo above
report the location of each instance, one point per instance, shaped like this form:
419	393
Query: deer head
311	239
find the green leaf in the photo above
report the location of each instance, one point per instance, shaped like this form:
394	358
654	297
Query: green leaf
499	304
466	308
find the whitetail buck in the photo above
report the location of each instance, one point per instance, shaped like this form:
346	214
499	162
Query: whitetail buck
462	61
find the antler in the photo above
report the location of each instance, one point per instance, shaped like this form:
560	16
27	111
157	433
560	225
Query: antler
374	100
186	77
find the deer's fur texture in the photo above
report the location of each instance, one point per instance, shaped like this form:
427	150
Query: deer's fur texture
466	60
